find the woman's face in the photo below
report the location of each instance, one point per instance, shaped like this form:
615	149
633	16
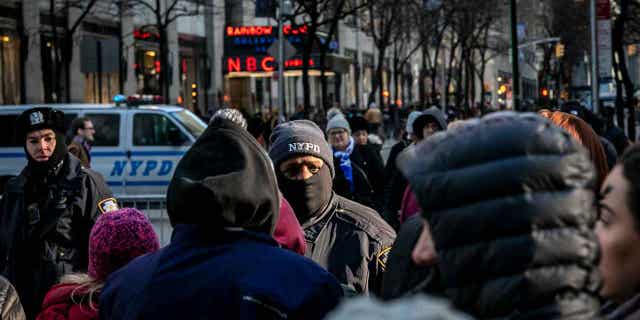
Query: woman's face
619	236
361	137
339	138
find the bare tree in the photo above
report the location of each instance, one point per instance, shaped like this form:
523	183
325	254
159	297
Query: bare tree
383	16
317	16
164	13
568	20
625	29
434	24
406	42
62	43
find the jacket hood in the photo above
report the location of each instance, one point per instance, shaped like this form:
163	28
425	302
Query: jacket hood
431	114
288	231
410	120
510	202
225	180
437	114
583	133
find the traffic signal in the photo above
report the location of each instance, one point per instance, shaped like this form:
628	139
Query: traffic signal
559	50
194	94
502	93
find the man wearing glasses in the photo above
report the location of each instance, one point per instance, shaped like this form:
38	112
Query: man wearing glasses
80	146
349	240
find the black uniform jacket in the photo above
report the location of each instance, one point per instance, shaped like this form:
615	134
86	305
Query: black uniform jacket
42	241
352	242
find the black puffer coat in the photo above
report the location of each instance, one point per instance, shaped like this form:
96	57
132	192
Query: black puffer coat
510	201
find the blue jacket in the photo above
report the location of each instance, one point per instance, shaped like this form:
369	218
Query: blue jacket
221	274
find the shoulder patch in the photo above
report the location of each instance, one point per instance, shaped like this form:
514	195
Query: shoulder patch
107	205
381	258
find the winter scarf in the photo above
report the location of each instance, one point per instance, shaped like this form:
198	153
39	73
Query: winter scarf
345	162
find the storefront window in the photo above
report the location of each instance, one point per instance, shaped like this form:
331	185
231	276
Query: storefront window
147	68
9	69
101	88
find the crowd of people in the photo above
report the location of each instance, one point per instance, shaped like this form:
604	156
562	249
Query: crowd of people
506	216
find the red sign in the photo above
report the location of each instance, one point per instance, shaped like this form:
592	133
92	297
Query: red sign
139	35
249	31
603	9
296	63
289	30
258	31
258	64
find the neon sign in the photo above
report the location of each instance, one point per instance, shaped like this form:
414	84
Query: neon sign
249	31
259	31
140	35
259	64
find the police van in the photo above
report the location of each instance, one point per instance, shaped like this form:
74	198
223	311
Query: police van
136	148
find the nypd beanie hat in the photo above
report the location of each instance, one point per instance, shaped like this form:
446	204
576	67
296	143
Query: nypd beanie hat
299	137
338	122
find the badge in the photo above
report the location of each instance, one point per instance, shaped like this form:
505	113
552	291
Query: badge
108	205
36	118
382	257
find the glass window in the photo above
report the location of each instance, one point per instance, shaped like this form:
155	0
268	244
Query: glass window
194	125
8	131
150	129
9	69
107	126
68	118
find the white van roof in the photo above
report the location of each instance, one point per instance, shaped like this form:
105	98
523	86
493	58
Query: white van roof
80	106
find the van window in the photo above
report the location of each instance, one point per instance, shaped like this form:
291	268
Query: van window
8	131
195	126
68	118
107	127
151	129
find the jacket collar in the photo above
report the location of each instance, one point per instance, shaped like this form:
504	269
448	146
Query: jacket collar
196	234
314	227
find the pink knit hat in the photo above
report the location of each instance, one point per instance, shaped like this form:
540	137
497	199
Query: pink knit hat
117	238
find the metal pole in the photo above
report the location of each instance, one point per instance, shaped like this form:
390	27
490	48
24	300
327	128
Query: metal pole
358	66
515	82
281	41
595	96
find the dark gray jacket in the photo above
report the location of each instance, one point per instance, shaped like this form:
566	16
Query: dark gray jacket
352	242
40	242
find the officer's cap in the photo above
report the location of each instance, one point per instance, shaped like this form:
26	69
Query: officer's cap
38	119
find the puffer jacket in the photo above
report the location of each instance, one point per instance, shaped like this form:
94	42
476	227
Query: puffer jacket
10	307
68	302
510	200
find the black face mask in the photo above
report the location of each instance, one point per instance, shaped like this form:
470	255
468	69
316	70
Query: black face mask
49	167
307	197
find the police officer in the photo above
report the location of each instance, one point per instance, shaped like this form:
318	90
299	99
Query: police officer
350	240
47	212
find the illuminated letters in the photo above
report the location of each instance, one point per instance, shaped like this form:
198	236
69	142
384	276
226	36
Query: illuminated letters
233	64
251	64
267	64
